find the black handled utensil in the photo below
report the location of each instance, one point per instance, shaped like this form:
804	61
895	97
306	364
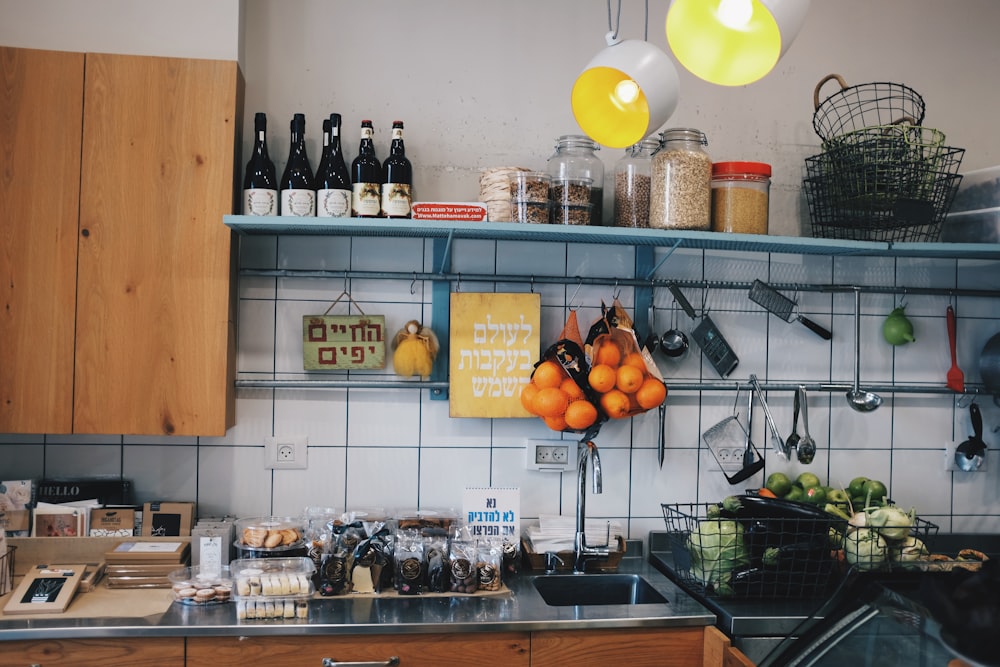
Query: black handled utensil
969	455
713	344
778	304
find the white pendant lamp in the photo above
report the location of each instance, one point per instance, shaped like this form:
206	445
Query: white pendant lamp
733	42
626	93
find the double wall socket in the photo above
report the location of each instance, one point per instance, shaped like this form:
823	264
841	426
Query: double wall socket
286	452
549	455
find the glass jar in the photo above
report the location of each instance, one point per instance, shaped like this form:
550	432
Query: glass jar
740	197
681	185
632	180
575	157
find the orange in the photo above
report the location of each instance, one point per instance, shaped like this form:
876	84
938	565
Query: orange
548	374
629	379
550	402
651	393
635	359
580	415
528	393
607	352
555	423
571	388
602	378
615	404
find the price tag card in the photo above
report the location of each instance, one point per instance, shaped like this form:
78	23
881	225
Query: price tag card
493	512
343	342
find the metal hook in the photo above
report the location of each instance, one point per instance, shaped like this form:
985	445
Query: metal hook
616	291
902	300
413	284
458	282
736	400
704	302
532	285
965	400
569	304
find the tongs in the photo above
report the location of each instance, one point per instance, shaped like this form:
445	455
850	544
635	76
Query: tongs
777	442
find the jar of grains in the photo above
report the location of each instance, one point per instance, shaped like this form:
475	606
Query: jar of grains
632	174
575	158
739	197
681	186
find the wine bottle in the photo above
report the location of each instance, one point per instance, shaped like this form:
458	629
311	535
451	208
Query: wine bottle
260	184
397	177
366	176
298	196
333	182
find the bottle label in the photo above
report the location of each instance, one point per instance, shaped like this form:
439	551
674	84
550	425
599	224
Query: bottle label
301	203
333	203
259	201
396	200
397	133
366	202
367	132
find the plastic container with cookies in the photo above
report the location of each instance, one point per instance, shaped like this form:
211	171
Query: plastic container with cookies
272	589
191	586
270	537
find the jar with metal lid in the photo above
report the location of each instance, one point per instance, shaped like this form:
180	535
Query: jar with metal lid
681	186
632	178
740	197
575	157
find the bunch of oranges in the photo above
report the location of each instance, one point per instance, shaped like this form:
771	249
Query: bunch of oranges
556	397
623	380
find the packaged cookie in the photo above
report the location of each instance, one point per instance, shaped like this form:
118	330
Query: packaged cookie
270	537
490	557
193	586
367	562
410	564
462	558
437	579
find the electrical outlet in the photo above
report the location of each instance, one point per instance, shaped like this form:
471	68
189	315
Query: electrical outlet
285	452
548	455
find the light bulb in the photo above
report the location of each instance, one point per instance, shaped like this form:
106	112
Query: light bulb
627	91
735	14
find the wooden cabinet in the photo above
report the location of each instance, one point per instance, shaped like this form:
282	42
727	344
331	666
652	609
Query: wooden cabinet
118	301
110	652
510	649
662	647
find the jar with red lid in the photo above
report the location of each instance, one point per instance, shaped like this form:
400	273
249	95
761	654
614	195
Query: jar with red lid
740	197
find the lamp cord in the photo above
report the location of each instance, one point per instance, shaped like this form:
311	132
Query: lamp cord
614	28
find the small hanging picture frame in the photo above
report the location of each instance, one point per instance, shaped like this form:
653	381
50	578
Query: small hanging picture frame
343	342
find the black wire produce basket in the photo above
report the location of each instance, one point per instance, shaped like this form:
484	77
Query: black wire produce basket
767	549
865	105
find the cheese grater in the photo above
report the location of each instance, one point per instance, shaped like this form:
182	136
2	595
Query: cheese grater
778	304
713	344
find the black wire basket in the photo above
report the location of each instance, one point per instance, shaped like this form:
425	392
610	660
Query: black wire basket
888	183
865	105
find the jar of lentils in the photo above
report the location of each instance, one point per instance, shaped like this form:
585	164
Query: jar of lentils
632	179
576	158
681	185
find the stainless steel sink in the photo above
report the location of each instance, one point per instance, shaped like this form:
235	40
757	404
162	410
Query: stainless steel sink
567	590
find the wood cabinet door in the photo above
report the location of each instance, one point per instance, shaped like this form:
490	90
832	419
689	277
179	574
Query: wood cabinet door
509	649
651	647
41	115
155	314
110	652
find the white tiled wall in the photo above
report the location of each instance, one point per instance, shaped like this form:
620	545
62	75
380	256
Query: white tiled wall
398	448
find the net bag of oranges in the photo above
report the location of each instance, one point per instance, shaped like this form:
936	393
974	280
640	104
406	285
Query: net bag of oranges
622	373
558	391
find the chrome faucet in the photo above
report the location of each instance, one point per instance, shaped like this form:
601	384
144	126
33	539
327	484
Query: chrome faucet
583	551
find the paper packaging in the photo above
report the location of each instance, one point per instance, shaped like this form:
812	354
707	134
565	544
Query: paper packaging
16	500
167	519
112	522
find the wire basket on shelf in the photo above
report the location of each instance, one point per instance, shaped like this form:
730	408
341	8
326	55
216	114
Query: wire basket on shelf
755	556
866	105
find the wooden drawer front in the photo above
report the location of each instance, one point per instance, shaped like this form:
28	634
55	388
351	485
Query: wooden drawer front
659	647
111	652
509	649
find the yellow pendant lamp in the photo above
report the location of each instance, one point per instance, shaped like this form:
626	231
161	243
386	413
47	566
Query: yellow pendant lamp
625	93
733	42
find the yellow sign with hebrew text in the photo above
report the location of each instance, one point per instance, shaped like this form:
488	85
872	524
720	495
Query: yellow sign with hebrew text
494	343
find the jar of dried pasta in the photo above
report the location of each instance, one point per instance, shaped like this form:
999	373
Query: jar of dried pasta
740	197
681	183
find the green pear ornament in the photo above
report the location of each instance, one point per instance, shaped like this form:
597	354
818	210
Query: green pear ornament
897	329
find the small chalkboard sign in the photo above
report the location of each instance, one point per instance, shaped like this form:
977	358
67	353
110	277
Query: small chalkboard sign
46	589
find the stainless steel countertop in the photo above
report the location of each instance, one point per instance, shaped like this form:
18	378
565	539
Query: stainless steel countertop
521	610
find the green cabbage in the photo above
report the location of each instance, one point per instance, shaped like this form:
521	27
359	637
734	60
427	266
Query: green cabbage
865	549
717	548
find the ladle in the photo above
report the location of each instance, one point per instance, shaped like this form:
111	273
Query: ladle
862	401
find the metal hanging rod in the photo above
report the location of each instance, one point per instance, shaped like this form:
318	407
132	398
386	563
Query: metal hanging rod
341	384
620	282
722	386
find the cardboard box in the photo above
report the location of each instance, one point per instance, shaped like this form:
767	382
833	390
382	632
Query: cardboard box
157	552
167	519
112	522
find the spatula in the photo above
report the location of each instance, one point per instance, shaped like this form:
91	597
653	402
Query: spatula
778	304
956	378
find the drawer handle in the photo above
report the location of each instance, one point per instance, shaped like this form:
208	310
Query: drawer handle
332	662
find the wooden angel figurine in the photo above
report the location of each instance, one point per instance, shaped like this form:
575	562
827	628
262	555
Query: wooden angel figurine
414	349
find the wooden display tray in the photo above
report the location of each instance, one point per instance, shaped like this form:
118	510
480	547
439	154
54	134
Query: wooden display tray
536	561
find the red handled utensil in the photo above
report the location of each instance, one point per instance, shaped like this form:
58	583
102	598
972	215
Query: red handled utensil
956	378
